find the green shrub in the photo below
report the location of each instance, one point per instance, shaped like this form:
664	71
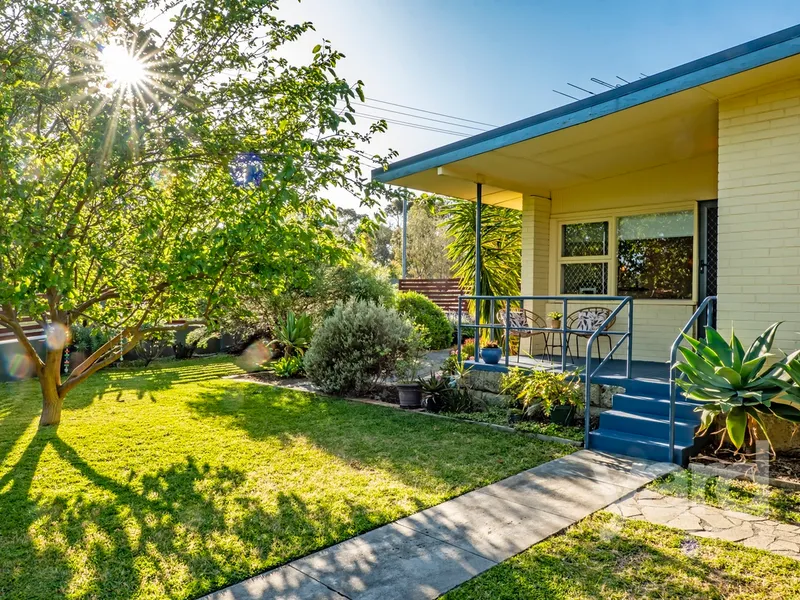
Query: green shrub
287	366
87	339
358	280
531	390
356	346
436	330
196	338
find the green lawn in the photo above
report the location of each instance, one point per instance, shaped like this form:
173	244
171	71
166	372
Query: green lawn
173	482
733	494
605	557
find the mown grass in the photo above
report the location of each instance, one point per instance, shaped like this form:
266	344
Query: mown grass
173	482
613	559
733	494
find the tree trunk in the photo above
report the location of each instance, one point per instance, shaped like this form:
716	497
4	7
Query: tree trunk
49	380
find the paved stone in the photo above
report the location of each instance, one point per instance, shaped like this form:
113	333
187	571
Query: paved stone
661	514
687	522
761	542
712	516
284	583
392	562
784	545
732	514
486	525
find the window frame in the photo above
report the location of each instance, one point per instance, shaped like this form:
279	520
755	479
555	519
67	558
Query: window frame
589	259
613	216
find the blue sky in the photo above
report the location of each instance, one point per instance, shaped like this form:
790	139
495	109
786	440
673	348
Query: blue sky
498	61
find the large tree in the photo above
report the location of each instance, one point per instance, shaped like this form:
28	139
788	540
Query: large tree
147	174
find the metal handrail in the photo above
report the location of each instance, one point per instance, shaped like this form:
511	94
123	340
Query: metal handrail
707	306
623	301
627	300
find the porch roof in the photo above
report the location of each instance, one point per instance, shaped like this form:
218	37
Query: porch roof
663	118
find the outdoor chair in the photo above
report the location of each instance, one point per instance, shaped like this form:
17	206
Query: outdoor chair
521	318
590	319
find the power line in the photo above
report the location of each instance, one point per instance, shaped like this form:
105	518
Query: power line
430	112
399	112
414	125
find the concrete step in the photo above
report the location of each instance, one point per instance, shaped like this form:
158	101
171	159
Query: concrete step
653	426
647	405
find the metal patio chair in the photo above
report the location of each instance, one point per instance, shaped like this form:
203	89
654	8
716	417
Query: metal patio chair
589	319
522	318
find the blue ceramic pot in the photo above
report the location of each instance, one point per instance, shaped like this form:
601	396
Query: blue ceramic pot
491	356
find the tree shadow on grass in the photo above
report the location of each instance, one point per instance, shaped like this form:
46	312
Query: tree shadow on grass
178	532
419	450
143	383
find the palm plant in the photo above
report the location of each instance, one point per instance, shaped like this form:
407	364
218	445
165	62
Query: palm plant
501	249
739	386
294	334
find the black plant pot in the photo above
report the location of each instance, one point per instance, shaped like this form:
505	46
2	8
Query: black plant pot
562	415
410	395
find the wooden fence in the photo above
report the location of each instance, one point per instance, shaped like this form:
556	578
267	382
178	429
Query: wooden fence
442	292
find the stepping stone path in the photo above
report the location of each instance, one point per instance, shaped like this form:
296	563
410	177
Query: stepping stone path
711	522
428	553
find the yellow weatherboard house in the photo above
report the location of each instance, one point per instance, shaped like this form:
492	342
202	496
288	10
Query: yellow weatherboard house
673	193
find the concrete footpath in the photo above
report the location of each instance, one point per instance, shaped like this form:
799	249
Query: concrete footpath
435	550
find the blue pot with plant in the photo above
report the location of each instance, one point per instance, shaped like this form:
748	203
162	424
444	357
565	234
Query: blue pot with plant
491	353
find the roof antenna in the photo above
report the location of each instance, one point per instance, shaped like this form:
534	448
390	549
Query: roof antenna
567	95
621	79
580	88
601	82
643	75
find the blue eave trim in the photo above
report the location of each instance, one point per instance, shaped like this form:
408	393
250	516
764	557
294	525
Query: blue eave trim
752	54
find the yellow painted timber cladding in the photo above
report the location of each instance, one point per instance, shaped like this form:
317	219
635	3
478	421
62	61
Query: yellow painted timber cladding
759	212
675	186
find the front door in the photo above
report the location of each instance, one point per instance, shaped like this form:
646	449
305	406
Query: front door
708	255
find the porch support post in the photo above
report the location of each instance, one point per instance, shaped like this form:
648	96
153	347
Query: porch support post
536	266
478	265
405	234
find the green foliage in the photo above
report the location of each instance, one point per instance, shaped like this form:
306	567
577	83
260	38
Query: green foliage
531	390
153	347
356	346
738	386
87	339
205	180
195	339
358	280
294	334
436	331
426	250
287	366
501	249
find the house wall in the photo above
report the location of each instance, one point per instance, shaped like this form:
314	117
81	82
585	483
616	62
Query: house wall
759	212
675	186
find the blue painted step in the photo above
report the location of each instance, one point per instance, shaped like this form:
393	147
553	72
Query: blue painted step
638	424
649	425
640	446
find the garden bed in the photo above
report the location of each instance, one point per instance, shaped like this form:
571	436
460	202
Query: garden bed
499	416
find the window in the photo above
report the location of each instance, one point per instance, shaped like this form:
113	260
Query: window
584	258
654	255
644	256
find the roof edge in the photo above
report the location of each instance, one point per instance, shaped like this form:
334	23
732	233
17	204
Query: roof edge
758	52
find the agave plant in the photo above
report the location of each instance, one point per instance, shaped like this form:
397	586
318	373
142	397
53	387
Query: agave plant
294	334
739	385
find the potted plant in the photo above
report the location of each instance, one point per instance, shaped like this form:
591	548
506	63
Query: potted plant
554	319
491	353
556	395
435	389
409	389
